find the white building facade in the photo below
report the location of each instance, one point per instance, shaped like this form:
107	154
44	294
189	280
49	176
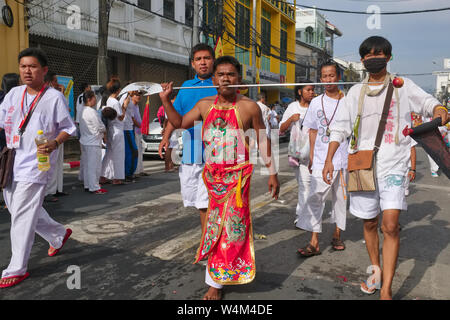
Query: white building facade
149	40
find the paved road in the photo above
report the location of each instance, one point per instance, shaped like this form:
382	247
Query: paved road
138	242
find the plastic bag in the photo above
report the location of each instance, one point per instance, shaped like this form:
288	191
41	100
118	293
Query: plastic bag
298	148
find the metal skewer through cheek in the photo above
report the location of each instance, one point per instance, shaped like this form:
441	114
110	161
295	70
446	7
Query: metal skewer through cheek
277	85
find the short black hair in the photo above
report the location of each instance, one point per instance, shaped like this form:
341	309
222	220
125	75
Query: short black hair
202	47
39	54
113	86
377	44
300	87
228	60
83	86
330	63
49	76
9	81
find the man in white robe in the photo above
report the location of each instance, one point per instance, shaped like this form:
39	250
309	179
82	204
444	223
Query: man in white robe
25	194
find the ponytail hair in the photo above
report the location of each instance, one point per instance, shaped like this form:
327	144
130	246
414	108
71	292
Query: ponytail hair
88	95
300	87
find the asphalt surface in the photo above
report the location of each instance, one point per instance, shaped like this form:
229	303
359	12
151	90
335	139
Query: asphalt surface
138	242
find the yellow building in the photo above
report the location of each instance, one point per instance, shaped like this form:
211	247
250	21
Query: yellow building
271	35
12	39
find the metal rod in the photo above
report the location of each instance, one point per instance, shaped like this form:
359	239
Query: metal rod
276	85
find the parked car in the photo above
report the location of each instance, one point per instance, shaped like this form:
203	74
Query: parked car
152	140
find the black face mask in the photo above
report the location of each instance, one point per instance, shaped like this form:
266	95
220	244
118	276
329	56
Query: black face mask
375	65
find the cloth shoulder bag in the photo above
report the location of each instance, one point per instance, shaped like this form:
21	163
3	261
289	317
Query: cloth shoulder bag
361	164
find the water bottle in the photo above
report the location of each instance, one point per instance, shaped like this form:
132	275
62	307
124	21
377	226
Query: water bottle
43	159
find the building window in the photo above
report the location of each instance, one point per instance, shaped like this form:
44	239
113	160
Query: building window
145	4
189	12
283	42
265	63
242	25
210	14
265	32
283	69
242	55
309	33
169	9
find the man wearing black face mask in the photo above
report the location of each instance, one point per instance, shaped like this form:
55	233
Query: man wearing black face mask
360	119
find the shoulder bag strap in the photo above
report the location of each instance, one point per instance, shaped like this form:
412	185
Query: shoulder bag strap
384	115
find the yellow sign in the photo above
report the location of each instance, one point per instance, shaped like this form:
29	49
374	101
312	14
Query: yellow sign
219	48
68	89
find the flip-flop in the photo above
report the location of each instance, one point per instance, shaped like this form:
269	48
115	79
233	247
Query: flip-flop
16	282
369	292
68	233
99	191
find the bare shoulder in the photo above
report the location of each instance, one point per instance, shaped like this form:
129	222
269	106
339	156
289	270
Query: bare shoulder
249	105
205	103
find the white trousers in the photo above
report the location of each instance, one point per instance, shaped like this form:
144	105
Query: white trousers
92	159
210	282
311	217
55	184
113	166
140	163
81	173
433	165
24	201
304	181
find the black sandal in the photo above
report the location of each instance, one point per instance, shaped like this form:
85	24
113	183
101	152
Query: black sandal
308	251
337	243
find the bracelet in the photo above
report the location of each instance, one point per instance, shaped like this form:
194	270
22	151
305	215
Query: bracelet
412	170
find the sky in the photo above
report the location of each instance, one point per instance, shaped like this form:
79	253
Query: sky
418	40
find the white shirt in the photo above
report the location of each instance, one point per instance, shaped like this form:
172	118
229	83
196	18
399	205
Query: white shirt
294	108
51	115
392	158
138	119
80	107
265	115
116	124
128	124
273	119
92	128
315	119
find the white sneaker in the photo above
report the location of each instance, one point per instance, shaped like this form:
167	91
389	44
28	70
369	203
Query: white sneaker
406	192
434	174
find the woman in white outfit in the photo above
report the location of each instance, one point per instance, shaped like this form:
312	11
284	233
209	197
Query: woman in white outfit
113	166
295	113
92	132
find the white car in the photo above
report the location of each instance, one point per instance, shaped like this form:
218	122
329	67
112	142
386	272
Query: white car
152	141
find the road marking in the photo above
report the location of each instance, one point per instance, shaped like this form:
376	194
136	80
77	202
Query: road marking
186	241
429	186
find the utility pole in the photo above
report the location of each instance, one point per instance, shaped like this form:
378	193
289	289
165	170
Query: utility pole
254	91
195	39
104	8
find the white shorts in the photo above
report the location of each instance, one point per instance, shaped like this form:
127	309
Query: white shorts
193	189
173	142
390	194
